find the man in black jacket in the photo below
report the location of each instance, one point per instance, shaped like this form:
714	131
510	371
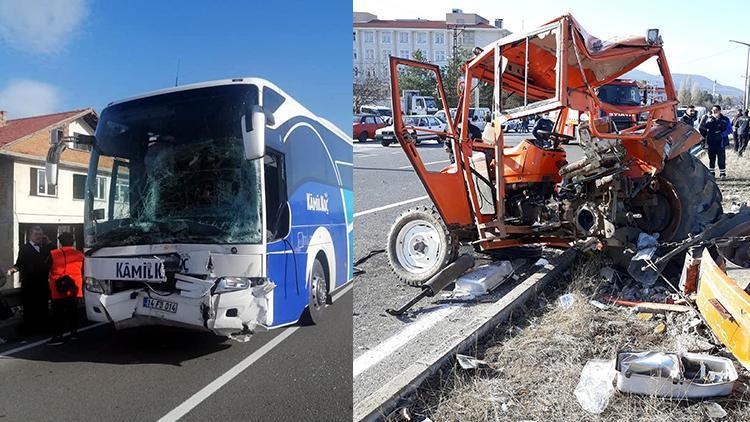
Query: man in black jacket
741	128
712	129
33	264
690	116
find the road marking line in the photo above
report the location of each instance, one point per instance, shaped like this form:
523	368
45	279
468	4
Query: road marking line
382	350
44	341
338	293
385	207
216	384
426	164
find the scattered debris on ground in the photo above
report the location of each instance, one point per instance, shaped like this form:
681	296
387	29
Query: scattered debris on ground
534	362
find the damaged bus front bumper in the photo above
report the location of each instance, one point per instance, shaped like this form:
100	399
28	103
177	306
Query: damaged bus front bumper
227	306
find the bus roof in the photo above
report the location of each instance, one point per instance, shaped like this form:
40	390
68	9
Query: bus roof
289	109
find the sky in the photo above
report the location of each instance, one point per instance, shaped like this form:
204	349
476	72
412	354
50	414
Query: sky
60	55
696	33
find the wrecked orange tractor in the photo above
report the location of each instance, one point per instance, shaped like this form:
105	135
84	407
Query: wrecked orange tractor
507	200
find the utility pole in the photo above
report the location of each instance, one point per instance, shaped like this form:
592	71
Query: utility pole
746	99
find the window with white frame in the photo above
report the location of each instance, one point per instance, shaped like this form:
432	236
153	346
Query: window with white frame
404	54
101	188
122	191
439	55
79	147
403	37
38	182
355	55
79	186
354	35
369	37
370	54
386	54
385	38
439	38
421	38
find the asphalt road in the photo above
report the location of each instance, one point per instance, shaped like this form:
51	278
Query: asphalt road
293	373
386	185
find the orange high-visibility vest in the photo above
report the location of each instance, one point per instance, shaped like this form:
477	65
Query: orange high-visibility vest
66	261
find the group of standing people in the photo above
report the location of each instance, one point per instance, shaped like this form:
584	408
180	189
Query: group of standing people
716	128
49	273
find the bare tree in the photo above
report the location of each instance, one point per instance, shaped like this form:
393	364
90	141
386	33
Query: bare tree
368	89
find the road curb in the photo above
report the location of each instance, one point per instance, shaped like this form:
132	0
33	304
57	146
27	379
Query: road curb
383	401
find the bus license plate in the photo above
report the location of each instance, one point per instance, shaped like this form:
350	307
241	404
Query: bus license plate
159	305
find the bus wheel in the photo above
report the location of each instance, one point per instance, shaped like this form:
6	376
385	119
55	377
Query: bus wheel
420	245
362	137
318	294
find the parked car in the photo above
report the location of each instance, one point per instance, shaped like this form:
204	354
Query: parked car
386	135
365	125
476	116
384	112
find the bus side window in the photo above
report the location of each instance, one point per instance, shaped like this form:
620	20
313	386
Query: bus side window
277	217
272	100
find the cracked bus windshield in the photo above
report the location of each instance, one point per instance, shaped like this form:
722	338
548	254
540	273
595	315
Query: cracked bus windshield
171	169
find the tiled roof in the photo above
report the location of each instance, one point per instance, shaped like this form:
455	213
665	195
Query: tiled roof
416	24
19	128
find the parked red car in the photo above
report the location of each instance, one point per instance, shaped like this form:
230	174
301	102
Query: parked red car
365	126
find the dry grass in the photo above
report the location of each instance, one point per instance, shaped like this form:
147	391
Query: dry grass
736	188
536	363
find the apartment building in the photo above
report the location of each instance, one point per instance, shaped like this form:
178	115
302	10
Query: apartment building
376	39
25	197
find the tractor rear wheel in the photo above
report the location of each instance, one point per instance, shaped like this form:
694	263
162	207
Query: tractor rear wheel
683	200
420	245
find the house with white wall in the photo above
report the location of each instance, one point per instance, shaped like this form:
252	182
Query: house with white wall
25	197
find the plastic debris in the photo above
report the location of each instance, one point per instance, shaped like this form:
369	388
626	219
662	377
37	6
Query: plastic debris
646	249
469	362
660	328
714	410
674	375
541	262
598	304
483	279
566	300
595	387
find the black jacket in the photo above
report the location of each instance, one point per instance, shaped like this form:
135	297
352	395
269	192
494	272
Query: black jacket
690	120
713	128
742	125
542	124
33	267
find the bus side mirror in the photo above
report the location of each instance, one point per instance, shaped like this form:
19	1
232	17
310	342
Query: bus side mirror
283	221
254	133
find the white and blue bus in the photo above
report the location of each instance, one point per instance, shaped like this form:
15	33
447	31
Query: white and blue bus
225	206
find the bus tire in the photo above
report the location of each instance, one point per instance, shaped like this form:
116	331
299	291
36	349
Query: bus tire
363	137
420	245
318	294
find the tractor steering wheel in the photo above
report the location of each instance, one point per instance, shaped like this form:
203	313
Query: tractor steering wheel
556	136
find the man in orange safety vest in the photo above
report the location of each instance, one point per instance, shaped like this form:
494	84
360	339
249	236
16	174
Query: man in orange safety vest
66	287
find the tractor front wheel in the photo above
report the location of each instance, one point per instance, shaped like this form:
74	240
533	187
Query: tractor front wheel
420	245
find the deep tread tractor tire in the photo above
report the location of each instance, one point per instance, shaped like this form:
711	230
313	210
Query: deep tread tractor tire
699	196
362	137
420	245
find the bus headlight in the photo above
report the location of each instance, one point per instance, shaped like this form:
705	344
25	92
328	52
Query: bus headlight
93	285
232	284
